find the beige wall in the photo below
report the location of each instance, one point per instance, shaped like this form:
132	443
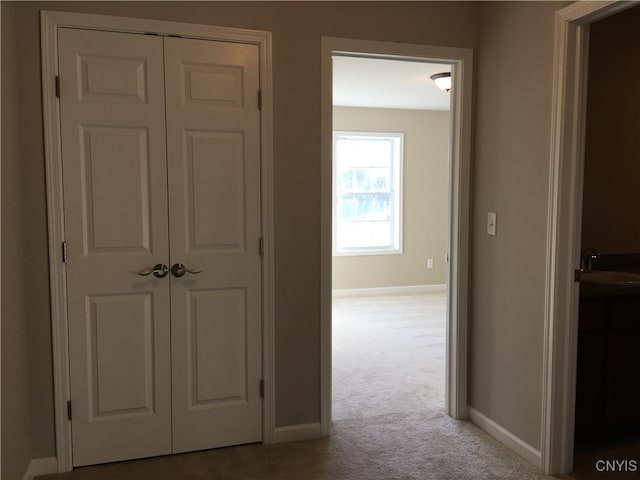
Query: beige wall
611	209
297	30
511	177
16	424
425	176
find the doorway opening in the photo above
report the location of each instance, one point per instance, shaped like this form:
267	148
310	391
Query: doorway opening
378	226
562	328
391	136
607	424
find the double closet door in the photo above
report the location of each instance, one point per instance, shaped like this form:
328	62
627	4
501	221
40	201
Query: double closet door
161	174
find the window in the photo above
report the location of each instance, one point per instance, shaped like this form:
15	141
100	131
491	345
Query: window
366	186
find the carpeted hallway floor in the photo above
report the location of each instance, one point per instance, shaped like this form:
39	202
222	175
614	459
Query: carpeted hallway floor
388	355
388	422
412	446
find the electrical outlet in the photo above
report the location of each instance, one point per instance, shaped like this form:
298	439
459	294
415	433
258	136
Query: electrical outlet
430	263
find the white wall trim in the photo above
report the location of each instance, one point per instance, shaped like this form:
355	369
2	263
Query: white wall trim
461	61
295	433
41	466
564	228
375	291
50	22
505	437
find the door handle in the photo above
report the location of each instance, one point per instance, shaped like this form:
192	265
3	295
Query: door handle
179	269
159	270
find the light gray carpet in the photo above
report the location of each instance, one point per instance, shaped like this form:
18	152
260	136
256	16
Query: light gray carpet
415	445
388	355
388	411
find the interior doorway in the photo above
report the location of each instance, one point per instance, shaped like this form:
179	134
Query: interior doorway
135	361
457	207
607	424
53	26
565	211
391	136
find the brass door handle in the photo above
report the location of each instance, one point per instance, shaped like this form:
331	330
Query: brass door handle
179	269
159	270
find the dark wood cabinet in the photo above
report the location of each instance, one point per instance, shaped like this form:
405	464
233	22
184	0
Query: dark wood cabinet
608	373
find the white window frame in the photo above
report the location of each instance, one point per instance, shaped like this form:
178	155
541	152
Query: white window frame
397	190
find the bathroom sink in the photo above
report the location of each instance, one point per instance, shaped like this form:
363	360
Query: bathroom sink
605	277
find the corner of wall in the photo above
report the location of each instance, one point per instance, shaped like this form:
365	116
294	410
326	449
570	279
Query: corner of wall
41	466
505	437
16	421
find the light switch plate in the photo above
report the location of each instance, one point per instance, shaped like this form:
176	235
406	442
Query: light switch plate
492	223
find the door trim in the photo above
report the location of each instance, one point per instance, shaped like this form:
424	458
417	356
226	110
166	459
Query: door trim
564	227
461	60
50	22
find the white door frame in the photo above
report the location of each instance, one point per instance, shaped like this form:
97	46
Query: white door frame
50	22
461	60
564	228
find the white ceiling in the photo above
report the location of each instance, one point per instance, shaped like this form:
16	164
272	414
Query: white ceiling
372	82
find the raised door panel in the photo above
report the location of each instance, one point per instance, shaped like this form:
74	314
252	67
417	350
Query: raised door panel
217	348
213	146
116	196
115	205
215	182
120	355
220	86
112	78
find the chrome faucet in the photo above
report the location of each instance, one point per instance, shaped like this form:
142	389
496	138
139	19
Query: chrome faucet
587	258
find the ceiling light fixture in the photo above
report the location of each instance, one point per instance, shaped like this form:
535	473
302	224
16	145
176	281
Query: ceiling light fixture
442	80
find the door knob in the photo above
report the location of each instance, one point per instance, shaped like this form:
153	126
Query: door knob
159	270
179	269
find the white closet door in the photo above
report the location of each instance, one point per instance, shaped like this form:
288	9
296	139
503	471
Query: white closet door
213	145
115	206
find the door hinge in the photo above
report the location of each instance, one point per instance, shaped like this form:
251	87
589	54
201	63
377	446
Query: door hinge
69	409
446	258
261	388
261	247
64	252
259	99
58	86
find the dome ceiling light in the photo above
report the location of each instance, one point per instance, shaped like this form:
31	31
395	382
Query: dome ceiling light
442	80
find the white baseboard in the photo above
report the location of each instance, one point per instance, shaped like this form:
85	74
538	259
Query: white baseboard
41	466
367	292
505	437
294	433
